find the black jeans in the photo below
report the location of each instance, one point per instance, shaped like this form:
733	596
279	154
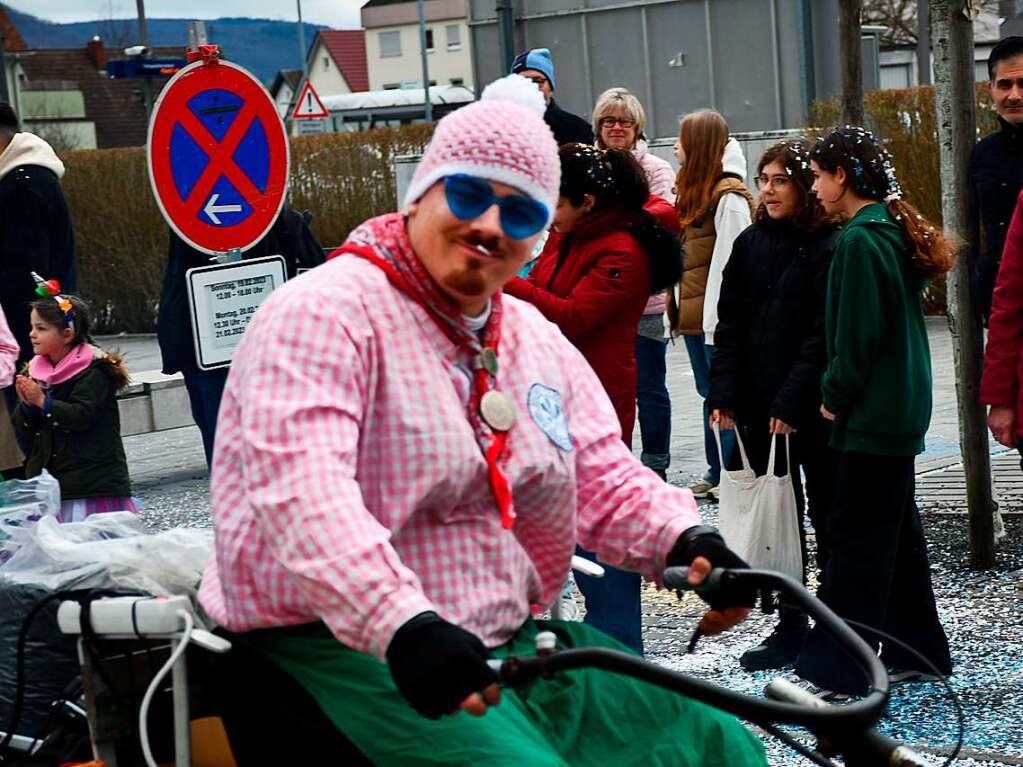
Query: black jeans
877	573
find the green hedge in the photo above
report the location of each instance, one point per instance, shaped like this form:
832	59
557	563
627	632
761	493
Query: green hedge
121	238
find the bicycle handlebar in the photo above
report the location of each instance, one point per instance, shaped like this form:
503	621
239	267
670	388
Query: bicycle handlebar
846	729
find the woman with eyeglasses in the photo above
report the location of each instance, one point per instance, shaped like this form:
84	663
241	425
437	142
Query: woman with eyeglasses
713	207
608	253
769	352
618	123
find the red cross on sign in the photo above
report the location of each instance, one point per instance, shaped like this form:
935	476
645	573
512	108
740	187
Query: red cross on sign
218	157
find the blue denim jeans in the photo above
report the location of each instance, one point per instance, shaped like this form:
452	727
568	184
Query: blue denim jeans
205	388
699	358
653	402
612	602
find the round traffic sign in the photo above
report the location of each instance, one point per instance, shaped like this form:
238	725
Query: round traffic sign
218	157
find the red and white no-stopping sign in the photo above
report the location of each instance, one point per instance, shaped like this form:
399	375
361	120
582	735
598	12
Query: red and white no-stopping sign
218	157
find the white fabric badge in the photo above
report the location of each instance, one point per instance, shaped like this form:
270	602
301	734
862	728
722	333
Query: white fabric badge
544	404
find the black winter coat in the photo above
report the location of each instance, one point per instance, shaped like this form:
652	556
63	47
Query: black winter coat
35	236
79	442
996	173
567	127
290	237
769	348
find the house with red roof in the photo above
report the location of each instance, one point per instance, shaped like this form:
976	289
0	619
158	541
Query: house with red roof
337	62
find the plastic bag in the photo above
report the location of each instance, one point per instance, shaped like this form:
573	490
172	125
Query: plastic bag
111	551
23	502
757	516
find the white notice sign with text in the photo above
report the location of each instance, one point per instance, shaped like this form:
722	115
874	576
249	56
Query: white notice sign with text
223	298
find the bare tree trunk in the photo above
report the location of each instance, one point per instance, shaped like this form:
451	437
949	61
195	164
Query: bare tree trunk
849	12
952	36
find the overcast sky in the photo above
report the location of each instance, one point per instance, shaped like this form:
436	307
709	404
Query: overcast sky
333	13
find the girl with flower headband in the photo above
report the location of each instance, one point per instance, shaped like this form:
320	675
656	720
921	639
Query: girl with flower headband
876	390
769	352
67	421
613	246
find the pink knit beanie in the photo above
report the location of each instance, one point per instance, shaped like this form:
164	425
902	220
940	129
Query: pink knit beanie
502	138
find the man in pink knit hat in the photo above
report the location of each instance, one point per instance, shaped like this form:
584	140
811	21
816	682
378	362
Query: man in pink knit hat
406	459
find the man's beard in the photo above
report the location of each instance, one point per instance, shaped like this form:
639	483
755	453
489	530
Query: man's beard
467	281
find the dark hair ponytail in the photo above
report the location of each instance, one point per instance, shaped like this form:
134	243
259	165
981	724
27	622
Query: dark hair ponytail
631	191
869	170
663	249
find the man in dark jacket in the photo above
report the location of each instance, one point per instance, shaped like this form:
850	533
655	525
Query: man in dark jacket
567	128
35	225
290	237
996	168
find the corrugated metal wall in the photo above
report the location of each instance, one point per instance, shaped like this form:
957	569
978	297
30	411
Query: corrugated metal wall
758	62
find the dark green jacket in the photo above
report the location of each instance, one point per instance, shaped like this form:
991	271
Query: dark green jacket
878	379
79	440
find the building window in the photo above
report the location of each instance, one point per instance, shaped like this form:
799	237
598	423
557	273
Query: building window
391	86
895	76
326	63
390	44
980	73
429	40
454	37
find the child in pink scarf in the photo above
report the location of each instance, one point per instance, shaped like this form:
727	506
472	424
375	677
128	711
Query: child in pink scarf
67	421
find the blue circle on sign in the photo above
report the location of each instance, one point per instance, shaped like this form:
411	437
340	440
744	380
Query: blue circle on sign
217	110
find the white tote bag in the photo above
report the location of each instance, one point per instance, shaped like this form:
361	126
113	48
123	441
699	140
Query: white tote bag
757	515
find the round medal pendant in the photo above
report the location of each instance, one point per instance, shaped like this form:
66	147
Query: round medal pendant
497	410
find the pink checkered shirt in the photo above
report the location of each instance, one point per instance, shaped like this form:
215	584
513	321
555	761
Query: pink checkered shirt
348	485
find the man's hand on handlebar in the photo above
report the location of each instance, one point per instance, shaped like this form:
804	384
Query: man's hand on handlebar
701	548
714	621
440	668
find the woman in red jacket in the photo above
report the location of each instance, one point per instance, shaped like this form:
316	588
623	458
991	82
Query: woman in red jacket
608	253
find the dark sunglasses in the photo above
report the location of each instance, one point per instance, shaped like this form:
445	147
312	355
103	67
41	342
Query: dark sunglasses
469	197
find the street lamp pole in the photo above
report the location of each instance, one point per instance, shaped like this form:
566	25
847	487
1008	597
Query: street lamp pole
301	41
428	105
147	92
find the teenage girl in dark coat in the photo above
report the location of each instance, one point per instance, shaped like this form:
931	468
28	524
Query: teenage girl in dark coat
769	351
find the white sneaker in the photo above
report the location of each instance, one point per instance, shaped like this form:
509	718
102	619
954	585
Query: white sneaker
701	489
829	696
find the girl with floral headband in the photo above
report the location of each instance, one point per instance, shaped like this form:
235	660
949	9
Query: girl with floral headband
67	420
876	390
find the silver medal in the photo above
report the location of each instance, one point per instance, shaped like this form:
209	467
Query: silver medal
497	410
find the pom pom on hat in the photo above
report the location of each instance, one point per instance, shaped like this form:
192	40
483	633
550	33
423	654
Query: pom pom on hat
501	138
517	89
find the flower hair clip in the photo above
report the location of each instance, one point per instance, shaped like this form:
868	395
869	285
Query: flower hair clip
51	289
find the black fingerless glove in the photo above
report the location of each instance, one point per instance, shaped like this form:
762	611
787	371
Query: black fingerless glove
436	664
704	541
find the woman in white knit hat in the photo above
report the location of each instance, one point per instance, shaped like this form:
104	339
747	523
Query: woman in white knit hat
405	462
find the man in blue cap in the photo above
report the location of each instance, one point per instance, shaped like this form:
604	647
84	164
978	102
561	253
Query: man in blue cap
536	65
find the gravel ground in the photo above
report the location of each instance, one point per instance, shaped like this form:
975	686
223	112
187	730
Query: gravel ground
980	610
